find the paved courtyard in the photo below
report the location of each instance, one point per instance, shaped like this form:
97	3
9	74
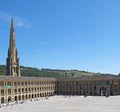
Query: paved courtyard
67	104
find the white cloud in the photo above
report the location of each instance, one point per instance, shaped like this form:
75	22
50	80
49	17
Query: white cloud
18	21
21	22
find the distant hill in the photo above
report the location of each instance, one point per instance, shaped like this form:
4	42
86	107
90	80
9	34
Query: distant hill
30	71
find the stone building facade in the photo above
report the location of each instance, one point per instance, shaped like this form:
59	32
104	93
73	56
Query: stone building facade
94	86
23	88
14	87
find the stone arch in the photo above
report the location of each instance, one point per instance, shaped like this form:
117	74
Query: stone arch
2	100
32	96
26	96
38	95
15	98
9	98
22	97
29	96
19	98
103	91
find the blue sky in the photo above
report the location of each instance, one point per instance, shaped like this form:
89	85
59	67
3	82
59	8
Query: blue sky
63	34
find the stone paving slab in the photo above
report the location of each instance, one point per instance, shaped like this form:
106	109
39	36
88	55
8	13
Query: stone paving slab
68	104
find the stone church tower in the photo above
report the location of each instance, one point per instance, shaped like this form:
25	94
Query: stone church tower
12	61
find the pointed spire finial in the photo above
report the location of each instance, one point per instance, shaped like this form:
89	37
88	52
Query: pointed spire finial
12	24
12	18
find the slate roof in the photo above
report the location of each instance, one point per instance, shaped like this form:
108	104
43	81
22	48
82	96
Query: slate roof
7	78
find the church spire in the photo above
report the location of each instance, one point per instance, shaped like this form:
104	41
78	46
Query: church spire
12	62
12	37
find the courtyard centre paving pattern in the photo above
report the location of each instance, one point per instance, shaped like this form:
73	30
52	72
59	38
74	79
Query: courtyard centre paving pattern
66	104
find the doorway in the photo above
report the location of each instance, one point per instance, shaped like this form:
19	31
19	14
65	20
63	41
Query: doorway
9	99
103	91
